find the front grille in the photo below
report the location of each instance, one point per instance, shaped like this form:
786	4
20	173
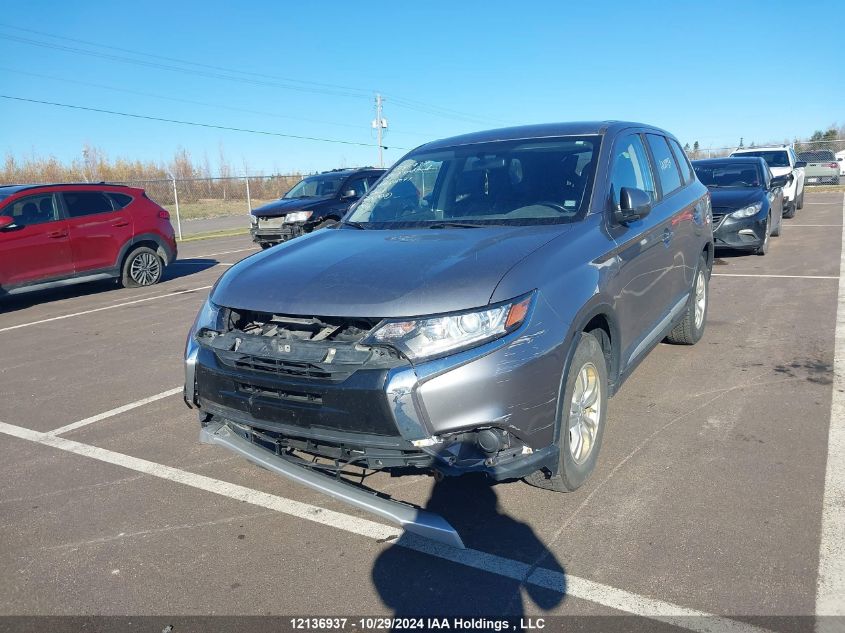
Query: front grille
718	216
271	223
281	394
278	367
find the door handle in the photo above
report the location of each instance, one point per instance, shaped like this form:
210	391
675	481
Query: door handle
57	234
120	223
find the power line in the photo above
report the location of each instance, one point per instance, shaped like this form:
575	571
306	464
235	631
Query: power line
193	102
193	123
184	61
315	87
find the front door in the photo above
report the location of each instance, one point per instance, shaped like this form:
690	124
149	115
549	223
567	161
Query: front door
37	246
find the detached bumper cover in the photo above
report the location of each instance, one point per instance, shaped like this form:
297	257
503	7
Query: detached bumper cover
282	234
412	519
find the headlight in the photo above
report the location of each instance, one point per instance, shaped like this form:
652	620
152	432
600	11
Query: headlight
747	212
298	216
439	335
210	317
253	220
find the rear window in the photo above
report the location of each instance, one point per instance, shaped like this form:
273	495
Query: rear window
667	170
120	200
81	203
773	158
817	156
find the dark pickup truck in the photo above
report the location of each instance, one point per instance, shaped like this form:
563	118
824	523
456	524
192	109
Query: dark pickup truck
315	202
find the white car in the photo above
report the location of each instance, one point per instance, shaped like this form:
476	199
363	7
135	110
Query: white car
840	158
782	161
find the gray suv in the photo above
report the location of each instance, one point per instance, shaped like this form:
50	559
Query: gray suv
473	312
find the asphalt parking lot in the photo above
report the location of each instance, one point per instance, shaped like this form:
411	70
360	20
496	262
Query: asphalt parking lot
708	497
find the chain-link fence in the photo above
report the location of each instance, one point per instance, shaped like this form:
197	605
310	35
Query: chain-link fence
204	205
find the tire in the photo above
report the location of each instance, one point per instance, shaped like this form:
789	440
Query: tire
764	247
777	231
690	330
800	201
581	425
142	267
265	245
790	211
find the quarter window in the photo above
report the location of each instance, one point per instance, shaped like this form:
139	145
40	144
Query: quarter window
667	170
683	162
119	200
630	168
81	203
33	210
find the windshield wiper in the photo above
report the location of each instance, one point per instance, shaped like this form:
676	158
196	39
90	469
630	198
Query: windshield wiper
354	225
457	225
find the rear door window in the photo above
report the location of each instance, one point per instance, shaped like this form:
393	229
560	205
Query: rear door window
30	210
630	168
664	163
82	203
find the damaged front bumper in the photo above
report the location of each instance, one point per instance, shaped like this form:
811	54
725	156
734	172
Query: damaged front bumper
412	519
276	235
490	409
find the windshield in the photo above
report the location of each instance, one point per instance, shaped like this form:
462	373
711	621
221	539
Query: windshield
506	182
729	174
774	158
316	186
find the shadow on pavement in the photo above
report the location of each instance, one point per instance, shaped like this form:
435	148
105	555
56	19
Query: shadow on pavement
177	270
414	584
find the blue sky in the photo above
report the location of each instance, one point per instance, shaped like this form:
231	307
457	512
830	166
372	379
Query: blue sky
708	71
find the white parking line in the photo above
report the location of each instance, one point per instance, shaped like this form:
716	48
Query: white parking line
830	590
775	276
239	250
839	226
185	263
598	593
109	307
113	412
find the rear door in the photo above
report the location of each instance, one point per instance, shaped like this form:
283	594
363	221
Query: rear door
37	246
98	230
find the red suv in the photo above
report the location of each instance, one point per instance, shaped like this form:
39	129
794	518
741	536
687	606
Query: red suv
52	235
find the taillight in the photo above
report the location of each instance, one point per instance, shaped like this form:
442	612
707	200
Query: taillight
163	214
833	165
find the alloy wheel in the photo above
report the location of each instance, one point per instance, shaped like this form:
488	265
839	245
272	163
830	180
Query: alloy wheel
145	269
584	413
700	299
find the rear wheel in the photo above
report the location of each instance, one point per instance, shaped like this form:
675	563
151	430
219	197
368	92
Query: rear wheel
582	419
690	330
143	267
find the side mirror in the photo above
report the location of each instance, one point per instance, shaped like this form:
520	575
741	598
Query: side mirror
349	194
6	221
634	204
800	163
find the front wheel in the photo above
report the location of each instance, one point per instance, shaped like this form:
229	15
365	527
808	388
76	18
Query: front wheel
581	420
789	212
800	201
690	330
143	267
764	247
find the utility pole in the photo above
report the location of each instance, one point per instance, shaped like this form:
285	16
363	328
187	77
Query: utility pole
380	124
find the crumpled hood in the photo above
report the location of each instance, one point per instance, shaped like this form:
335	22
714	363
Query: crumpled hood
380	273
735	198
780	171
283	207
